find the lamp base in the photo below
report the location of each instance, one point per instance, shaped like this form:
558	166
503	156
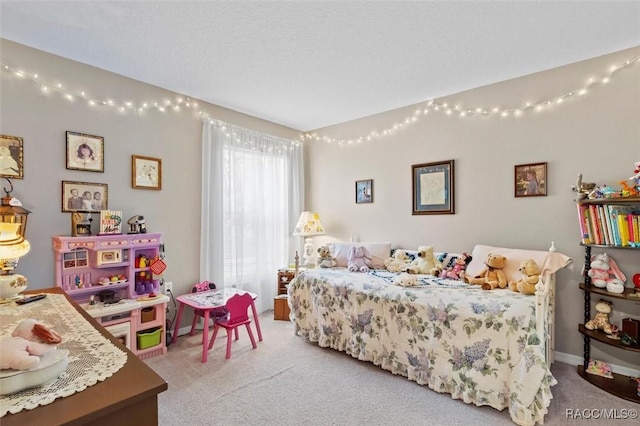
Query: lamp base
308	256
11	285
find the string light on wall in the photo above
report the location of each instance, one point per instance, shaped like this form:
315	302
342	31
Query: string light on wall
123	107
477	111
253	140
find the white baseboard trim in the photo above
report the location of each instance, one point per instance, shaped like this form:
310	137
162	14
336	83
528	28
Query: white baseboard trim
577	360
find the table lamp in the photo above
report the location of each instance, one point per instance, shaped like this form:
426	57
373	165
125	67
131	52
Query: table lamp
308	225
13	245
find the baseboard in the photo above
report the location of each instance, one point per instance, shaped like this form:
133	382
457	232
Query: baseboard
577	360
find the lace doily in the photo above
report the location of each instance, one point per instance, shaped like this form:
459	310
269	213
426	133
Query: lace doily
92	357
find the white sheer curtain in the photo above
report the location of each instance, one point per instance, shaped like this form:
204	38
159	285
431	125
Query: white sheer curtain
252	195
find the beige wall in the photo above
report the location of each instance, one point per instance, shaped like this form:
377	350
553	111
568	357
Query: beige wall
597	135
175	138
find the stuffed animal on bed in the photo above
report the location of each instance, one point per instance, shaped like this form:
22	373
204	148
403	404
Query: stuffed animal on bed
530	276
359	259
28	341
396	262
405	280
457	271
325	260
424	263
492	275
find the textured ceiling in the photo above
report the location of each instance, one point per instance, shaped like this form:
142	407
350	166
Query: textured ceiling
309	64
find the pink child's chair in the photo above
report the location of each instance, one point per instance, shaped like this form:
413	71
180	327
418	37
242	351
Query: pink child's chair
238	307
199	313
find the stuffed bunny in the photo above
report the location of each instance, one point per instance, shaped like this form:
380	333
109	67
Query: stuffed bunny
28	341
604	272
359	259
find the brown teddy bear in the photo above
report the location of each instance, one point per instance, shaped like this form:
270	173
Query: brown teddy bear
492	275
530	277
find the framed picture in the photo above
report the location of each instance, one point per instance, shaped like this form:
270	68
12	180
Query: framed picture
84	197
364	191
530	180
146	172
11	157
85	152
433	188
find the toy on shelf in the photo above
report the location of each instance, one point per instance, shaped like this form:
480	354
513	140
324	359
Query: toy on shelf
599	368
137	224
605	273
636	177
628	191
601	320
582	189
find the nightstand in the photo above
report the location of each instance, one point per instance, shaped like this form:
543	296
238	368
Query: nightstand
281	302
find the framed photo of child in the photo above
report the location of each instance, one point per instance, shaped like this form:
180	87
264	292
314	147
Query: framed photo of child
530	180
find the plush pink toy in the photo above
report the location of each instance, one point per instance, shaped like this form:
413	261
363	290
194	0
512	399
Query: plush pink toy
359	259
604	272
456	272
28	341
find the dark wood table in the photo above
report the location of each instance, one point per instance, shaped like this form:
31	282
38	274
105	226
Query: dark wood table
129	397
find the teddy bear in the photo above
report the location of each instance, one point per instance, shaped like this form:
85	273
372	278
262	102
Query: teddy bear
28	341
405	280
492	275
359	259
457	271
604	272
601	320
395	263
325	260
530	277
424	263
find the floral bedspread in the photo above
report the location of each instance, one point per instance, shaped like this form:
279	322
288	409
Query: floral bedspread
479	346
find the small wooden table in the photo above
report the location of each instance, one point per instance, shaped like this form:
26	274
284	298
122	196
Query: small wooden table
208	301
130	396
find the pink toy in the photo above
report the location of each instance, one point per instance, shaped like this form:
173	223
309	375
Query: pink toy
456	272
359	259
28	341
604	272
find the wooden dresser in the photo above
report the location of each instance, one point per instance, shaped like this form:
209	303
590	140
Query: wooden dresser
129	397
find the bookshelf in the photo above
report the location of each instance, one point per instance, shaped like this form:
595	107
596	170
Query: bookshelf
601	229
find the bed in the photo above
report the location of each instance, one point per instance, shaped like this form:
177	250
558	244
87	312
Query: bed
484	347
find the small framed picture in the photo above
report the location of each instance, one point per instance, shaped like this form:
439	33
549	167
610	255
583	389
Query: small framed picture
146	172
364	191
84	196
85	152
433	188
11	157
530	180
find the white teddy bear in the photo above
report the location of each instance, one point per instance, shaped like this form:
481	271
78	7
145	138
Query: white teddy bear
395	263
406	280
424	263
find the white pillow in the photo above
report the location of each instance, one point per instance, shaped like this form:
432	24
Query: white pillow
547	261
379	252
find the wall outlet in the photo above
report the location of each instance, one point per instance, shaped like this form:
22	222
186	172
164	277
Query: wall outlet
168	287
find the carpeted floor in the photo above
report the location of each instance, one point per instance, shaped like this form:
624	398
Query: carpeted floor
288	381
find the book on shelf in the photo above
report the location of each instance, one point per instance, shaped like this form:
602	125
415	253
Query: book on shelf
582	221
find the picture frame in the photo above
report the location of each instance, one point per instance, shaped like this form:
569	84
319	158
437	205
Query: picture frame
85	152
433	188
75	197
530	180
146	172
11	157
364	191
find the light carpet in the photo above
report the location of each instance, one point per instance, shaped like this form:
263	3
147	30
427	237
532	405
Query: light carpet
287	381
